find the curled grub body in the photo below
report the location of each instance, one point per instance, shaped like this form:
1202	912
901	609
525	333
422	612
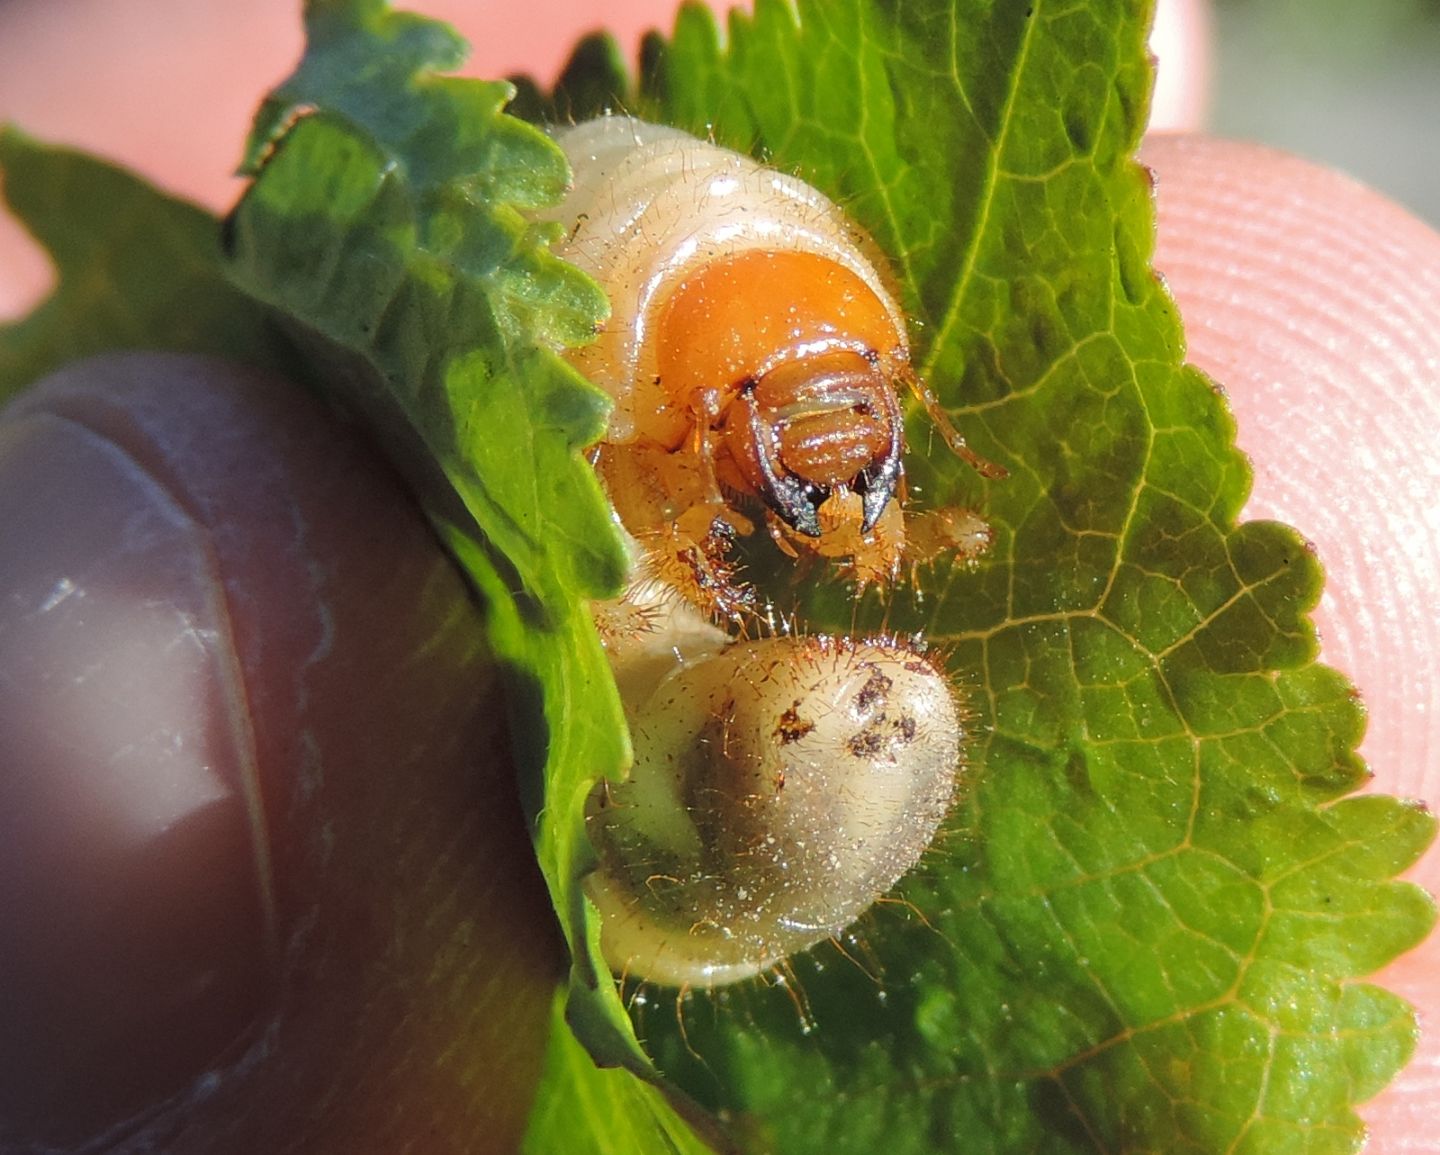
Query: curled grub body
780	787
756	356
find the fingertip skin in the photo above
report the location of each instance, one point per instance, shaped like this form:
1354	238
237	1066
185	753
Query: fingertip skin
1315	302
1180	39
269	884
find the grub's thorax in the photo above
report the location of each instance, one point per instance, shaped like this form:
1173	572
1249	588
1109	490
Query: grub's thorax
789	363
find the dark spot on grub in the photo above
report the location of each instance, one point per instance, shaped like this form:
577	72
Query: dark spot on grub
866	744
792	727
883	736
873	692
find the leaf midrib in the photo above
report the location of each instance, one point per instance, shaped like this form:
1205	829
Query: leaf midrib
951	321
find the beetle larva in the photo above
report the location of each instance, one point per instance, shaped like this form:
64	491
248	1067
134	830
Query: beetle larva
754	353
779	788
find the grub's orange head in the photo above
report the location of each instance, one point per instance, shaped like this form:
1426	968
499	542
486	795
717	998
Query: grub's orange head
791	360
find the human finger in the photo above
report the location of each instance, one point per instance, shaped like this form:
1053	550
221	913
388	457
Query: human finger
1181	42
265	884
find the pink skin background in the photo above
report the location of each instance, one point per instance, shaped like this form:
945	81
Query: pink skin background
1315	302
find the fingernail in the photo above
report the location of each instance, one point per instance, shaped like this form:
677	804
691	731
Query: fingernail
135	941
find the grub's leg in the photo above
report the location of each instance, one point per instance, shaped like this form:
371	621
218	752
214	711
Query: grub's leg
697	566
703	448
959	535
869	557
672	506
779	534
688	549
953	437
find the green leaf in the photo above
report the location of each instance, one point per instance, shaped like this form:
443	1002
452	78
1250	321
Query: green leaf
1142	929
388	222
594	82
137	269
587	1110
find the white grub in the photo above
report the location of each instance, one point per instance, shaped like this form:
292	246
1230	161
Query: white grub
781	785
